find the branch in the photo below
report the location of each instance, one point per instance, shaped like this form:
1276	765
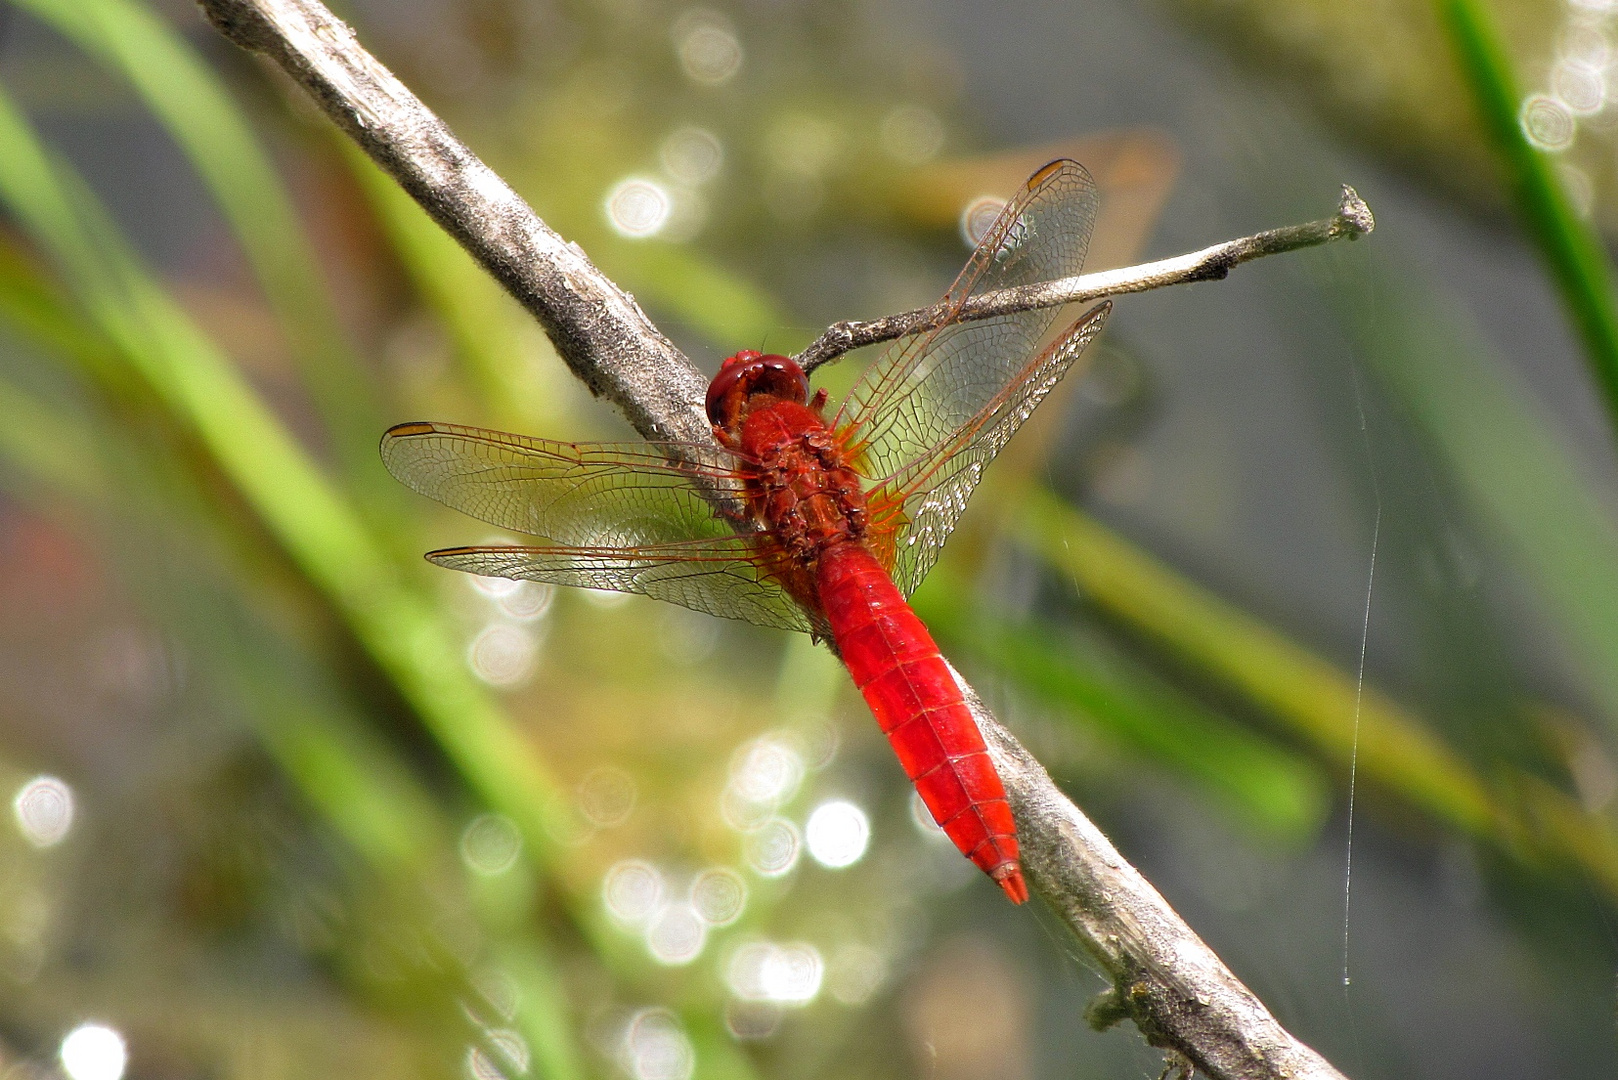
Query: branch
1352	221
1165	978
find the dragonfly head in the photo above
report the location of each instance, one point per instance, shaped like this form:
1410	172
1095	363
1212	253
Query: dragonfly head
750	379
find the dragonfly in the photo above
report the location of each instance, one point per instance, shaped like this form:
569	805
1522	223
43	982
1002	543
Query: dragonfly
805	521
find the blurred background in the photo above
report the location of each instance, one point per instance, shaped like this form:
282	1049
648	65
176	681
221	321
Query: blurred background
286	801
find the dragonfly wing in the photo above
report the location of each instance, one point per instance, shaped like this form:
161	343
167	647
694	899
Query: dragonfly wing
910	404
583	495
728	576
921	506
622	515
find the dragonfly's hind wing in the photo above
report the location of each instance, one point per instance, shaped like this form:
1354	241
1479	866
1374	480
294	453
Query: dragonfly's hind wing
728	576
580	495
921	515
909	406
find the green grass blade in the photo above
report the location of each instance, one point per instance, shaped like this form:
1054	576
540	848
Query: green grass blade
48	448
322	533
728	310
350	778
200	114
1318	700
486	325
1315	700
1509	461
1570	247
317	526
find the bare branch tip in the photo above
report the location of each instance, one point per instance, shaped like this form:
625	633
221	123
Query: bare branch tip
1353	215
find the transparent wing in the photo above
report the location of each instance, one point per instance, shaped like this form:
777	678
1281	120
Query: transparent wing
728	577
909	406
622	516
922	514
584	495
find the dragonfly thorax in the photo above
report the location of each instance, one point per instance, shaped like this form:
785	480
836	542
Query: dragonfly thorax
799	482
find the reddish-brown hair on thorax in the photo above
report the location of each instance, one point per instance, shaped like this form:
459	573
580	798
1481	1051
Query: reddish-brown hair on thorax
751	374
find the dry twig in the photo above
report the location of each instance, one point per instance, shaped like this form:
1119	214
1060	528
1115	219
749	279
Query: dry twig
1164	978
1352	221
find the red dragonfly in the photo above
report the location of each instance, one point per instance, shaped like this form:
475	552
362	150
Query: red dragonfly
839	518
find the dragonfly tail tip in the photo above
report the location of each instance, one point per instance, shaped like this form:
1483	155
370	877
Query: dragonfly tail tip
1009	878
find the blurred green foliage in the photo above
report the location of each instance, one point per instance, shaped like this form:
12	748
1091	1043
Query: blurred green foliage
372	814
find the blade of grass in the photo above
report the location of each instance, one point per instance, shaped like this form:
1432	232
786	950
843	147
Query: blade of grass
354	782
29	303
484	322
727	309
307	514
1570	247
1317	701
201	115
369	805
47	447
317	527
1510	462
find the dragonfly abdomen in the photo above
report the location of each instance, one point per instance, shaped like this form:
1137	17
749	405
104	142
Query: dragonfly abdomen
918	705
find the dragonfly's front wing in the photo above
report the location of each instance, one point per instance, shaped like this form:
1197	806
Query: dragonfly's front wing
585	495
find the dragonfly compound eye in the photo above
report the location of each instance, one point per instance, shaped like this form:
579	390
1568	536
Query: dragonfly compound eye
748	374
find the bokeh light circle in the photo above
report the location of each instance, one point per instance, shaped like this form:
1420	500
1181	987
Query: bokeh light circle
792	974
638	207
505	1046
978	216
692	155
490	844
837	834
719	896
502	655
710	52
751	1020
632	891
94	1052
1586	42
773	849
744	970
607	797
789	974
530	600
43	808
492	586
1547	122
1579	86
676	934
654	1047
766	771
